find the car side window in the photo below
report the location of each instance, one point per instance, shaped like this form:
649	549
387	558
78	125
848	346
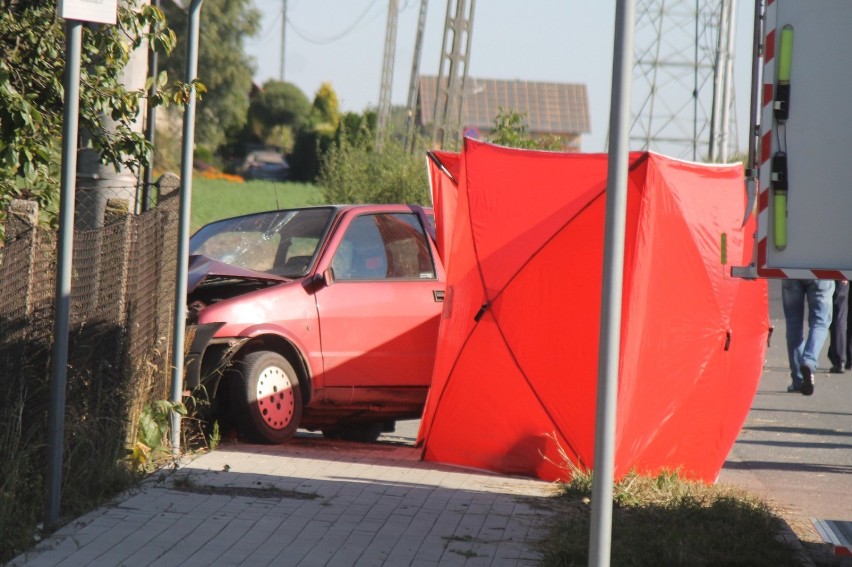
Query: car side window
383	246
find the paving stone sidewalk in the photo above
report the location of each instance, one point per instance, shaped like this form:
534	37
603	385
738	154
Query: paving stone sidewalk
311	502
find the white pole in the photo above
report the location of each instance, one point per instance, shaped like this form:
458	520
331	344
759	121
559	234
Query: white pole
613	276
59	357
181	279
724	137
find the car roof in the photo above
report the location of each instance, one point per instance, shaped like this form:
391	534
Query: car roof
338	209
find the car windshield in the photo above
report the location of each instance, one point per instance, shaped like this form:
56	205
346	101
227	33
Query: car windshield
284	243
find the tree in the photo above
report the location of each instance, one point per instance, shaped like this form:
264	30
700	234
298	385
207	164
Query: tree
315	139
510	130
32	64
223	66
325	113
277	112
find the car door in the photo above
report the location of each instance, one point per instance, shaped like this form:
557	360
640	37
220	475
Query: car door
379	318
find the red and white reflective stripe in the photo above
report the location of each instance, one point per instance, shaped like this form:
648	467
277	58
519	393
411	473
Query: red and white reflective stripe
765	154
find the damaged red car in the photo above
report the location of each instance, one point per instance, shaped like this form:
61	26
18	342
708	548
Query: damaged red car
323	318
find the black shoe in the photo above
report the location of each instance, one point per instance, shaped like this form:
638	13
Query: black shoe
807	380
848	366
794	389
836	369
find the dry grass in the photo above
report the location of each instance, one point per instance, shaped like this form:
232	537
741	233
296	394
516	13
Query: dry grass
665	520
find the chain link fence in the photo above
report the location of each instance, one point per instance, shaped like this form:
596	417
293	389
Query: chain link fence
122	298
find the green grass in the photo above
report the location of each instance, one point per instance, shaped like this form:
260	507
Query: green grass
214	199
669	521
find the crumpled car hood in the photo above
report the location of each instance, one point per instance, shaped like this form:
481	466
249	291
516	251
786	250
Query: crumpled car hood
202	267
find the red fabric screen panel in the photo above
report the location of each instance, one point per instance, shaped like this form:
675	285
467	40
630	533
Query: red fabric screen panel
516	368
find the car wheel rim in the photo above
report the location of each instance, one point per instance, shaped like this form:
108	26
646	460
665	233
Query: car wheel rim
275	398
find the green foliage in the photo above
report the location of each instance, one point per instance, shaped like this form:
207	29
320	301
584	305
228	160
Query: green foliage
326	107
32	64
306	159
354	125
154	423
223	65
276	111
354	172
510	130
315	139
215	436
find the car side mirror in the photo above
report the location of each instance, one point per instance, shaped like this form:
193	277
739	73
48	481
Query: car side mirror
319	281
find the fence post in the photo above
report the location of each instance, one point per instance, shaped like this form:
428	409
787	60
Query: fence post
113	281
21	220
168	189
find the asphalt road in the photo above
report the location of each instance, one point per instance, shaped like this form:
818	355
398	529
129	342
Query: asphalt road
795	450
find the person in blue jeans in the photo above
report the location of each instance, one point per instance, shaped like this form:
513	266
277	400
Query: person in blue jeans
803	352
838	339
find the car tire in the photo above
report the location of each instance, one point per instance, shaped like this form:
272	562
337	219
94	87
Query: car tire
267	396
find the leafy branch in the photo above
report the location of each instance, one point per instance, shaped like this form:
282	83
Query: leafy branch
32	97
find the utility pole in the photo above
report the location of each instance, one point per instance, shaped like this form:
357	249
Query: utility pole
387	74
723	83
455	55
283	32
728	93
415	77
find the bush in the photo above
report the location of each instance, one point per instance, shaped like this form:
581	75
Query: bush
305	161
353	171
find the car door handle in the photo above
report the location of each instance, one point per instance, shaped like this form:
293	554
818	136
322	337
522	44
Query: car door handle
438	294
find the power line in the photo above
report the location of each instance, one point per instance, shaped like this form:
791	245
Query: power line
336	37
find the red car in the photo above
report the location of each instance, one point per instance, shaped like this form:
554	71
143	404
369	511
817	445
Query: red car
324	318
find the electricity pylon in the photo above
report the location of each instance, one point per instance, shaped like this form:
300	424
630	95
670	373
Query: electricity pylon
383	114
415	76
683	78
452	73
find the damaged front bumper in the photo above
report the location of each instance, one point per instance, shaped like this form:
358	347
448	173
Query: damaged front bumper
205	357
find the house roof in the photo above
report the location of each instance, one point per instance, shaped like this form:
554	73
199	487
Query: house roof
550	108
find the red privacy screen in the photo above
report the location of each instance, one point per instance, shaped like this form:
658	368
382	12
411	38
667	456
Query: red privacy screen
515	377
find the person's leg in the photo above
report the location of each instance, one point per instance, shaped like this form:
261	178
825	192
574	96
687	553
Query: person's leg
839	320
837	329
819	294
848	364
793	300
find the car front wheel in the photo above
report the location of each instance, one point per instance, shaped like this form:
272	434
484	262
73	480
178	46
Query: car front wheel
268	398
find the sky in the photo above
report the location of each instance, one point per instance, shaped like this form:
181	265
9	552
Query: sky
565	41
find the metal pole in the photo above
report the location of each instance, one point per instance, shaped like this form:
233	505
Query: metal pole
718	83
386	86
150	125
613	275
59	357
415	76
695	87
283	43
193	25
728	93
754	107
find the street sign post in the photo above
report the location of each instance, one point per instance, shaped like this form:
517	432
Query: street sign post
75	12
